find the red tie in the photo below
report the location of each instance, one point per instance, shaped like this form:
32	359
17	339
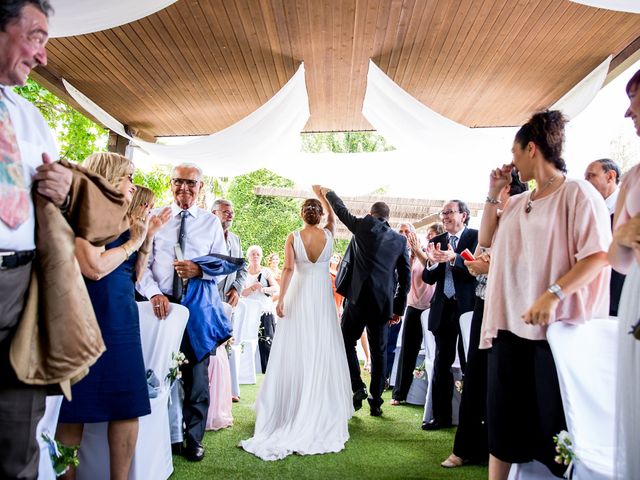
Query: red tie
14	195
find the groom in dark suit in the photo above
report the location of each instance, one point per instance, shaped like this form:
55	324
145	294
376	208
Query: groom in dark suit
376	294
454	295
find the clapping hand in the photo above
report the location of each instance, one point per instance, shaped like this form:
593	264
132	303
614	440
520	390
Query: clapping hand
139	223
414	242
442	256
158	220
478	266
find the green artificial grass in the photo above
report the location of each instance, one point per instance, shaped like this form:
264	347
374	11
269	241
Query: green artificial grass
389	447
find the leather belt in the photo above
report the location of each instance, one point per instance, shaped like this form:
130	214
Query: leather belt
10	260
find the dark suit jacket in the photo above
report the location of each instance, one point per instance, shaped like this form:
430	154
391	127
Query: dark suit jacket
381	257
464	282
615	287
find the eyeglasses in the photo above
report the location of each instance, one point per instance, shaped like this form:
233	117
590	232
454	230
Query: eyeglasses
178	182
446	213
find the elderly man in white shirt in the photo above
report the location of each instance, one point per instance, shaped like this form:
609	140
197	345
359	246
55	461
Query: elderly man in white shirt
198	233
604	175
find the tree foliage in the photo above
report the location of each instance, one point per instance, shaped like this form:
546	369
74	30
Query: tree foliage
77	136
344	142
261	220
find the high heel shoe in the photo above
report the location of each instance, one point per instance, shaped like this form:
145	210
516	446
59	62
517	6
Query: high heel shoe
453	461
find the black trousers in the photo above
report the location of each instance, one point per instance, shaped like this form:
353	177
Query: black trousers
21	406
411	342
265	338
471	436
195	379
355	319
446	337
524	406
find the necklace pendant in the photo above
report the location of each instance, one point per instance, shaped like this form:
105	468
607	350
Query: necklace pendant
529	206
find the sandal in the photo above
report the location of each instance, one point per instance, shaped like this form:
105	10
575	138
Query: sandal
453	461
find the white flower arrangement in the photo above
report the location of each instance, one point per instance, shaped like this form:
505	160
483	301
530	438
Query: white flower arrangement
177	360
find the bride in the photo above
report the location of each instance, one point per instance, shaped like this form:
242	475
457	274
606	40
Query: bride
305	401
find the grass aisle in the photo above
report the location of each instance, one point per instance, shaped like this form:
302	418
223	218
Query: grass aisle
390	447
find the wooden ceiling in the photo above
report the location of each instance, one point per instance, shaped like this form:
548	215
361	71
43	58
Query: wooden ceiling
199	66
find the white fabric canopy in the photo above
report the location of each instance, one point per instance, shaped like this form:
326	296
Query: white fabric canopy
580	96
630	6
73	17
265	138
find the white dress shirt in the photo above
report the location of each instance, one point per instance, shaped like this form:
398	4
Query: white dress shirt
34	138
611	201
204	236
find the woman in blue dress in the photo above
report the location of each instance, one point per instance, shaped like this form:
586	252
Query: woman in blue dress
115	390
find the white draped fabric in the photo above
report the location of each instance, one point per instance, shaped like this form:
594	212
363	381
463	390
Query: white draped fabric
630	6
73	17
580	96
266	137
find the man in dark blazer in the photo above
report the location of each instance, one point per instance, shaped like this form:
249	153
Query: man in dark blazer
454	295
376	294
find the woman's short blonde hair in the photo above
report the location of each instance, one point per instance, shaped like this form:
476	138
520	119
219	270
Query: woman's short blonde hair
254	247
111	166
141	196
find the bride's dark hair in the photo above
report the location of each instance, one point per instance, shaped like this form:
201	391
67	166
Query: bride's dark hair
312	211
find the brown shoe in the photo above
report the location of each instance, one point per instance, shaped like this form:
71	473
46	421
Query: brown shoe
235	399
453	461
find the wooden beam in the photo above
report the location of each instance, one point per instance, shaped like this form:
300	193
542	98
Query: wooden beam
117	144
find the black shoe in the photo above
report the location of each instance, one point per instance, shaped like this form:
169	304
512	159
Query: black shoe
358	397
375	405
194	452
177	448
433	425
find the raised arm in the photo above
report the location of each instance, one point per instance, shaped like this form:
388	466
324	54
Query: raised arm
499	178
341	211
287	272
331	216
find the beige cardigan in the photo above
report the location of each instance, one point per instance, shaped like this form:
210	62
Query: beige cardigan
58	337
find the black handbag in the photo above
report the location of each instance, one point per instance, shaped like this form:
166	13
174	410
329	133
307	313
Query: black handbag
345	269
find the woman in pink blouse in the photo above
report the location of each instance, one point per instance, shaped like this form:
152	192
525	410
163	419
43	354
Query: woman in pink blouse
624	255
418	300
548	263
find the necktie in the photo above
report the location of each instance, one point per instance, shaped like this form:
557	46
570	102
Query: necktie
14	194
178	284
449	287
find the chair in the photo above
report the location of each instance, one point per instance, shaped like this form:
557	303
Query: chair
48	424
585	358
465	331
152	458
247	315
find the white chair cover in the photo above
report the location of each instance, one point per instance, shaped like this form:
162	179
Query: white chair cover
417	394
585	357
152	458
247	322
530	471
48	424
465	331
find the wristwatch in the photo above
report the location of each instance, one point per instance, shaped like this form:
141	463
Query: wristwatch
556	290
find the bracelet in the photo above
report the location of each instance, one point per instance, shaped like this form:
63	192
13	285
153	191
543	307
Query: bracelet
127	252
492	201
556	290
143	251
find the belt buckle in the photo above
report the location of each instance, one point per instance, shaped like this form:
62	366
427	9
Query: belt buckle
2	255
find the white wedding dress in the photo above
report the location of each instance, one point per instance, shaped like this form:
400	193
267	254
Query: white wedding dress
305	401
